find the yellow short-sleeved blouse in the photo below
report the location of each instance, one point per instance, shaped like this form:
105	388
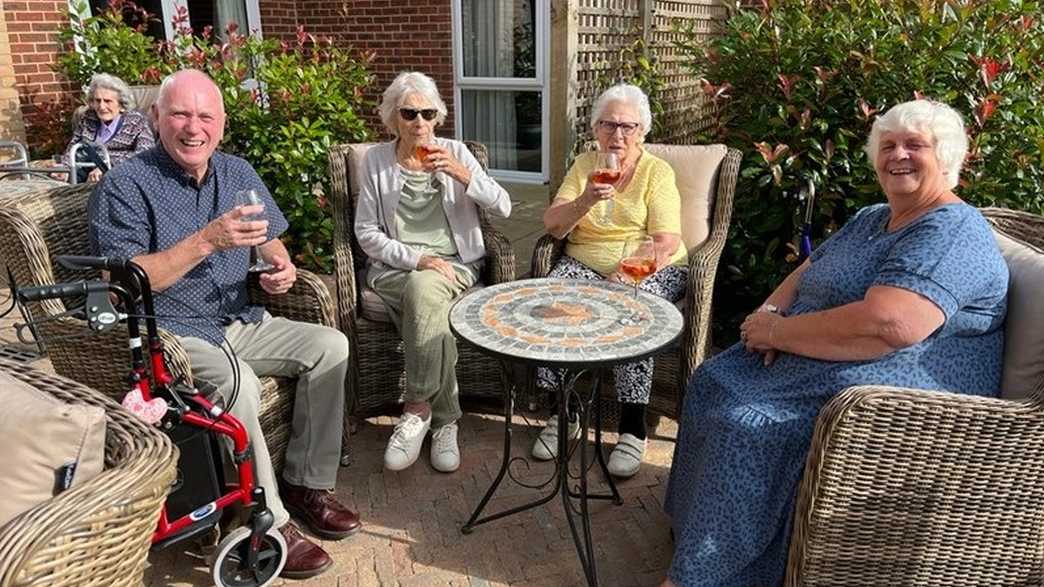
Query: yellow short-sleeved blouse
650	203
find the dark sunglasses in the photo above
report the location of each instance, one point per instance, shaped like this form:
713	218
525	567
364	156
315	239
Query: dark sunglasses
410	113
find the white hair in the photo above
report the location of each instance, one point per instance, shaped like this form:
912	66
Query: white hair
942	123
404	84
104	81
625	94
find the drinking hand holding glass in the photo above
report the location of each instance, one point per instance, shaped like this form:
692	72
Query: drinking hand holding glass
607	170
251	198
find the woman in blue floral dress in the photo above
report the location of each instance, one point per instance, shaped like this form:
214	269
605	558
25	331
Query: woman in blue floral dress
910	293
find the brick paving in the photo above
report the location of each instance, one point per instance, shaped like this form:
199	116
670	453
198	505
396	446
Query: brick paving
411	535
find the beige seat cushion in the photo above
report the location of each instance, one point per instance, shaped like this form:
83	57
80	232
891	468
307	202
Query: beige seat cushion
356	155
49	446
144	97
696	173
1024	327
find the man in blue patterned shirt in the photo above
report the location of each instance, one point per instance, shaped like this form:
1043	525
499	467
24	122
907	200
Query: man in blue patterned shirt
172	209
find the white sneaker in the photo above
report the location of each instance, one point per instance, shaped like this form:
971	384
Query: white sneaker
445	454
627	456
405	443
545	447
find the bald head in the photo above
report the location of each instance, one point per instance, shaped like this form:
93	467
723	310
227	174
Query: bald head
191	79
190	119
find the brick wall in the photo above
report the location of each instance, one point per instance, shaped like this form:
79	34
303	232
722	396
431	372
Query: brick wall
11	125
32	28
278	18
404	36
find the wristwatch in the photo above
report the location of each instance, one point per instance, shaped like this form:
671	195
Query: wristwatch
769	308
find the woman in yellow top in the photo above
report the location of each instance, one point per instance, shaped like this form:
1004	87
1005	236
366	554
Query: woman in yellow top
598	220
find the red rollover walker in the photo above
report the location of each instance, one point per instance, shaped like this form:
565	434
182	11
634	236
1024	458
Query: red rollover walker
249	556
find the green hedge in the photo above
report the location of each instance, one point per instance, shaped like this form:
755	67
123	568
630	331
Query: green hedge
798	83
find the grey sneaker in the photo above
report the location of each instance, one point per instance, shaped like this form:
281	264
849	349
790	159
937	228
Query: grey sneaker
545	447
405	443
445	454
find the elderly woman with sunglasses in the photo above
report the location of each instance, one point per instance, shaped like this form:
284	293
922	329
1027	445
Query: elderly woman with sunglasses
598	220
417	220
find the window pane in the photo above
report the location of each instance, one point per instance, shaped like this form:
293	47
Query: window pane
508	123
499	38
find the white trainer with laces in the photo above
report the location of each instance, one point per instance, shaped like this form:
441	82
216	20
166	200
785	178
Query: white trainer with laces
445	454
545	447
626	458
405	443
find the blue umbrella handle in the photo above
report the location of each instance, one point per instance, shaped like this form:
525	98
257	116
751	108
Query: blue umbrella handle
805	250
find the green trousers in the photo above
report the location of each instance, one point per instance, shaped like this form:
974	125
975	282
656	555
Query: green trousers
418	303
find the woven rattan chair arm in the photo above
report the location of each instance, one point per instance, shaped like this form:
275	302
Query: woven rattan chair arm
546	253
308	300
108	520
1024	226
889	469
500	257
703	268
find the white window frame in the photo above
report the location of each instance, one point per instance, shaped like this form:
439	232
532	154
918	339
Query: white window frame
539	83
170	8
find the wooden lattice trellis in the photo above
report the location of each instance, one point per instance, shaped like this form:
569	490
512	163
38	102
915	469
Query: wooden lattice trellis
607	32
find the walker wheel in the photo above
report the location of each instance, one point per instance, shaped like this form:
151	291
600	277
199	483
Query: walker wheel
230	567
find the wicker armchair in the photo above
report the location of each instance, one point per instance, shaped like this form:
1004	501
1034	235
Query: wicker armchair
674	368
907	487
35	227
97	534
376	379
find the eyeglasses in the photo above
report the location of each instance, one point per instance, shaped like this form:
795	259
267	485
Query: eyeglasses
609	127
410	113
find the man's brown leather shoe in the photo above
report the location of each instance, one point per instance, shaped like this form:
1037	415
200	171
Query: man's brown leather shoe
320	510
304	558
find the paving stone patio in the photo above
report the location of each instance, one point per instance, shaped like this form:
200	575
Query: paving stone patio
412	519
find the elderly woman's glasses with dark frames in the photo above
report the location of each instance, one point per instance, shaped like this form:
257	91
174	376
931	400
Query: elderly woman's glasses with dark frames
609	127
410	113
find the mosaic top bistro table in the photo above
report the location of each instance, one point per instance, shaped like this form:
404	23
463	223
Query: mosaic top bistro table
578	326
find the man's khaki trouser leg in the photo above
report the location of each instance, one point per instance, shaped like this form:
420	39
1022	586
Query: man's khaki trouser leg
318	357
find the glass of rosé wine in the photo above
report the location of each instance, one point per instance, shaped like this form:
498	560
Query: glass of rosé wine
637	263
607	170
422	148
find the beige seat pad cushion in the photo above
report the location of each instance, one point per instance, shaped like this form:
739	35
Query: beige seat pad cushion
1024	327
696	173
44	436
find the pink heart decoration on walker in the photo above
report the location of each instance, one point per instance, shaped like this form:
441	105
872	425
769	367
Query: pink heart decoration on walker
151	411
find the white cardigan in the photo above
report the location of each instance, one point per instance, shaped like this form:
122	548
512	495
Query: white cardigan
379	193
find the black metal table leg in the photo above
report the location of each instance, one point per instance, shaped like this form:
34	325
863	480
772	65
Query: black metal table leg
582	537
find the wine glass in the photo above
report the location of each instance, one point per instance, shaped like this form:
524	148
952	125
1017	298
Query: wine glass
638	262
422	148
250	197
607	170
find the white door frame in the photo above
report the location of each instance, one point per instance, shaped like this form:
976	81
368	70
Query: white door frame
540	83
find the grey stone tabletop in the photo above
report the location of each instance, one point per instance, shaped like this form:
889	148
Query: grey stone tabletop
565	322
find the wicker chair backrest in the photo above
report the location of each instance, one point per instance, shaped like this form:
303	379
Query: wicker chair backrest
37	226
